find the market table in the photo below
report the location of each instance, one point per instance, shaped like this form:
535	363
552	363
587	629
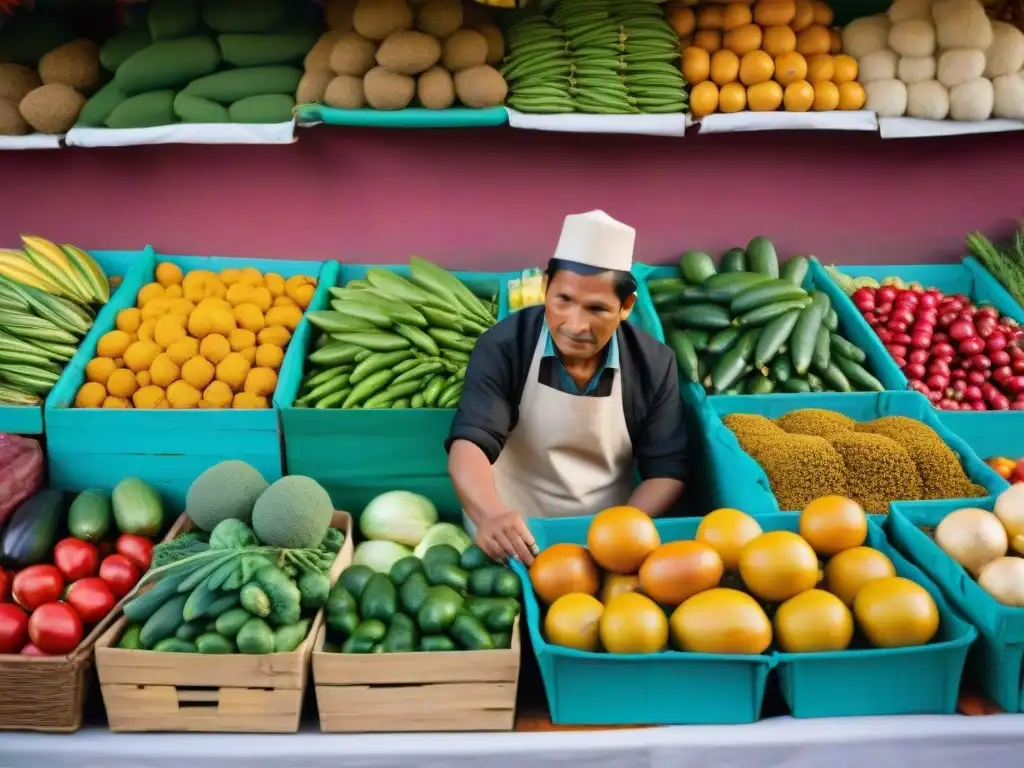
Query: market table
992	741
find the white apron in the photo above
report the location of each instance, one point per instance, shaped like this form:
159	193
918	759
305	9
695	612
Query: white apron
568	455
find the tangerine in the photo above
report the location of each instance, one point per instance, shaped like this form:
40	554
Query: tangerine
895	612
851	569
813	621
561	569
632	623
833	523
778	565
727	531
621	538
572	621
678	570
721	621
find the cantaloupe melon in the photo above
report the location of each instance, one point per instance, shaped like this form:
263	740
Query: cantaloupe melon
294	512
228	490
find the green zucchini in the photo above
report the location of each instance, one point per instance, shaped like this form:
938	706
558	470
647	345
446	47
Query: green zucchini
375	342
709	317
831	319
847	349
857	375
781	369
775	334
669	285
731	365
761	257
762	315
686	355
815	383
758	384
834	379
805	335
794	270
822	354
734	260
667	300
696	266
763	293
723	340
335	353
698	338
795	386
723	288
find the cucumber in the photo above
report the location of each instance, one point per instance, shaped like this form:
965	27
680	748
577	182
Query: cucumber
686	355
140	608
795	386
723	340
764	293
211	642
761	257
815	383
375	342
371	385
822	355
698	338
734	260
762	315
757	384
667	300
669	285
834	379
723	288
794	270
731	365
378	362
775	334
705	316
831	319
847	349
781	369
696	266
857	375
805	335
174	645
164	622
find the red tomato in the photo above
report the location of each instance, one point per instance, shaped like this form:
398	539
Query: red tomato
76	559
5	585
120	573
13	628
56	628
36	585
33	650
137	549
92	599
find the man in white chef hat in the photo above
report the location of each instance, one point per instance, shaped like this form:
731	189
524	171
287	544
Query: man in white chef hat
565	404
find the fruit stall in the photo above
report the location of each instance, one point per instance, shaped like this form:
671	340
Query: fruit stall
227	529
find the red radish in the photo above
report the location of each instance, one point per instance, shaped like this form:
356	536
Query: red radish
976	377
937	381
918	356
961	329
996	342
958	375
918	385
948	405
1015	384
972	345
896	350
980	363
914	370
885	335
973	393
863	299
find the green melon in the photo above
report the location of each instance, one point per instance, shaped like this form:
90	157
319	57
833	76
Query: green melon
294	512
228	490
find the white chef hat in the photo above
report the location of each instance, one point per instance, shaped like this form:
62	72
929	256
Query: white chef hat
598	240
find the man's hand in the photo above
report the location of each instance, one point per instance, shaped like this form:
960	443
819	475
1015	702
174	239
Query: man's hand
506	535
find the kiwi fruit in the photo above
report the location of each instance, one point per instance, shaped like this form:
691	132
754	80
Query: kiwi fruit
495	42
376	19
11	121
52	108
338	14
409	52
345	92
480	87
76	64
439	18
435	89
352	55
319	56
463	49
16	81
387	91
313	86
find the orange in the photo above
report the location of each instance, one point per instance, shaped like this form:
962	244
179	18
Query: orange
851	569
756	67
764	97
778	565
813	40
833	523
561	569
799	96
678	570
743	40
826	97
894	612
771	12
835	41
696	65
851	96
710	17
728	530
721	621
621	538
572	621
822	13
708	39
618	583
820	68
732	98
682	21
789	68
803	15
845	67
725	67
812	622
736	15
632	623
703	99
778	39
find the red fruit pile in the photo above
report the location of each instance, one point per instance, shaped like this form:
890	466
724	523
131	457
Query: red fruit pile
962	357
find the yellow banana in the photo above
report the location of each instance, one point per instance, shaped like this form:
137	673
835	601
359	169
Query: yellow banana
91	271
56	274
51	252
25	273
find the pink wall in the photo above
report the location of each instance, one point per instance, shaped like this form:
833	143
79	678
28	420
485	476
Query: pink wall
491	199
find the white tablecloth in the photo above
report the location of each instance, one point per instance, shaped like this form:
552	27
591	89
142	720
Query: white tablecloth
995	741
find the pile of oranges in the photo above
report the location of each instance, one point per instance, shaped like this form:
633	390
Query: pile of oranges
627	592
765	55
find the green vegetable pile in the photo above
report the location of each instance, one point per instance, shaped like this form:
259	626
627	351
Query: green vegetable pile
753	329
393	342
442	602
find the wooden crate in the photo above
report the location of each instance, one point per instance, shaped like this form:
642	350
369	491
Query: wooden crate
457	691
149	691
47	693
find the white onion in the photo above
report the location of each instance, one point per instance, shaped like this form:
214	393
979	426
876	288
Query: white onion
973	537
1004	580
1009	508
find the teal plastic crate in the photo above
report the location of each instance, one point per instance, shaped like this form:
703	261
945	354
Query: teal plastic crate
669	688
412	117
736	480
97	448
874	681
988	433
357	454
28	420
997	660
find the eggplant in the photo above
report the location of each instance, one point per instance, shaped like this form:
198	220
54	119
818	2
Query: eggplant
33	528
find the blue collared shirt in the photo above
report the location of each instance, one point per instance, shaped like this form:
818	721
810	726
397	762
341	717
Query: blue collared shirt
566	382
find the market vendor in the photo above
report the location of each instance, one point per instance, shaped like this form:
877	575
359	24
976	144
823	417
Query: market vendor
564	405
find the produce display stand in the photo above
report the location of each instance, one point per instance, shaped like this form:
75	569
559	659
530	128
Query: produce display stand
448	691
739	122
150	691
183	133
96	447
411	117
641	125
28	419
48	693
